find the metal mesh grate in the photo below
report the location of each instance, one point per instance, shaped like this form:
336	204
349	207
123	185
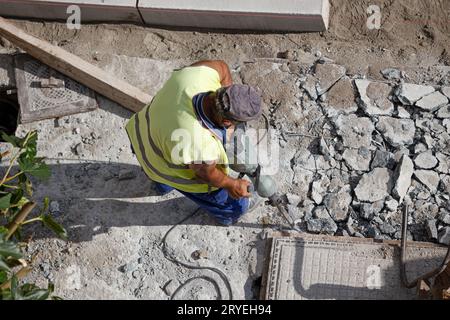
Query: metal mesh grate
45	98
39	102
323	268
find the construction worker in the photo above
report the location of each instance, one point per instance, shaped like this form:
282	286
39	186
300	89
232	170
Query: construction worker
199	102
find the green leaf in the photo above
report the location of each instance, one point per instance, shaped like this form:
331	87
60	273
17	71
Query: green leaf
30	145
9	249
35	168
16	196
54	226
15	141
14	284
30	291
5	294
3	232
3	266
3	277
46	204
5	201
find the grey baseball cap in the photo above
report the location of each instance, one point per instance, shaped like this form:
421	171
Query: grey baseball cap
240	102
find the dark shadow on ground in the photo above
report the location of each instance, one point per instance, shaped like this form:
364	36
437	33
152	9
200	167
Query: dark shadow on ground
94	197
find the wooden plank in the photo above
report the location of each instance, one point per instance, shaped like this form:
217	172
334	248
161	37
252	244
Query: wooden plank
76	68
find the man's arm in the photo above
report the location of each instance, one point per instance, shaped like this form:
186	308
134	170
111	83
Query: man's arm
221	67
237	188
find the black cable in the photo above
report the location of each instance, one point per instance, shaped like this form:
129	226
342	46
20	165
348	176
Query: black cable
188	266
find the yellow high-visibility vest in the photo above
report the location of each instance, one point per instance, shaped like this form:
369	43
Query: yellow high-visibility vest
157	132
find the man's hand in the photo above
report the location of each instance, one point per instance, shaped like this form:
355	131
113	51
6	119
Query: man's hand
238	188
209	173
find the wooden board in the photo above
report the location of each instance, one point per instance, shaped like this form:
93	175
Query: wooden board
76	68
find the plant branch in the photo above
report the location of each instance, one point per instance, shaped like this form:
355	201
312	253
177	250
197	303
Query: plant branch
23	213
20	274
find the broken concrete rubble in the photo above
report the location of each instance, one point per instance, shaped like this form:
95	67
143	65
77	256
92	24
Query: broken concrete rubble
425	160
446	91
374	97
357	159
338	203
444	217
321	222
444	236
392	74
428	178
443	112
355	131
432	101
432	229
383	159
409	93
341	98
327	75
375	185
398	132
319	188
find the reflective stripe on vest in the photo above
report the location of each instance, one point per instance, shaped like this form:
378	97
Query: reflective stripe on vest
155	148
149	165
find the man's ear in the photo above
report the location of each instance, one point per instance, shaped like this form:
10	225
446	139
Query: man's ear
227	123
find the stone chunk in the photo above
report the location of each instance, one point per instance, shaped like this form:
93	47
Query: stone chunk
355	131
321	222
402	177
369	210
444	217
392	205
397	132
446	91
432	231
382	159
327	75
444	163
374	97
425	160
444	236
338	204
319	188
310	86
409	93
443	112
357	159
391	74
432	101
375	185
402	113
341	98
387	228
428	178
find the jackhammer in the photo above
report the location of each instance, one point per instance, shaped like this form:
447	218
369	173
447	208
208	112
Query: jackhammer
242	156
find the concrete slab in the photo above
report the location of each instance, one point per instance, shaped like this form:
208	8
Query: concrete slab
266	15
321	267
91	10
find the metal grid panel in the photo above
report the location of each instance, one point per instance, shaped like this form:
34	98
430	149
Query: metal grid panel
38	102
345	268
